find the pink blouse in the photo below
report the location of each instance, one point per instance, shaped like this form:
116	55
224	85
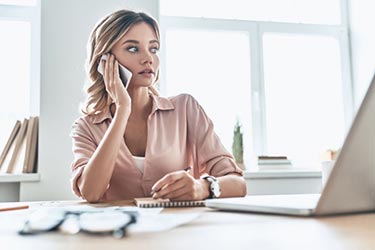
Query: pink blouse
179	134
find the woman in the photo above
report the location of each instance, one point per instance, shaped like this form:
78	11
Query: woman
133	143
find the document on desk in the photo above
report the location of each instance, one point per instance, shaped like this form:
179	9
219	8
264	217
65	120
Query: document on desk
160	222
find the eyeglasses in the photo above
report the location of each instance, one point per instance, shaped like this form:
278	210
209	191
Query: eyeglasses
71	221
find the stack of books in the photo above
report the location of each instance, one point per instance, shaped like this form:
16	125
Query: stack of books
273	162
21	150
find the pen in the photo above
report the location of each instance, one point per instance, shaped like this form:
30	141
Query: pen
3	209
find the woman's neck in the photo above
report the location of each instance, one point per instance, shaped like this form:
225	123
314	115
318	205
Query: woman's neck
141	103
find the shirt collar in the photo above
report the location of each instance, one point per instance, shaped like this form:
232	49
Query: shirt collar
102	116
159	103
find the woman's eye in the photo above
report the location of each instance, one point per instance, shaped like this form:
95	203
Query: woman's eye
154	50
132	49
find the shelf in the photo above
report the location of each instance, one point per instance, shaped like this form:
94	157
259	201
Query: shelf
19	177
285	173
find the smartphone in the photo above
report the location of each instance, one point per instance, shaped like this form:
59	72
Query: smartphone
125	74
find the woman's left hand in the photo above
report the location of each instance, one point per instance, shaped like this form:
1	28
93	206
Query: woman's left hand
180	185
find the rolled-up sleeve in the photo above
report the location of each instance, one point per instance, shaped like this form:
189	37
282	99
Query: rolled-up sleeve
83	148
209	153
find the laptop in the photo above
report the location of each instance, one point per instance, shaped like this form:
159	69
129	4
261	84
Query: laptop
350	187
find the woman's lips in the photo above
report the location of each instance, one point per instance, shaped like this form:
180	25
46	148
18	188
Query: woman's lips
147	73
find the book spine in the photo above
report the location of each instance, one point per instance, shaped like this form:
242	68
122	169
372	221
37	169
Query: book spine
17	149
10	142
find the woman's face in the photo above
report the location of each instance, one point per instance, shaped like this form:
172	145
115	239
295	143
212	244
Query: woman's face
138	51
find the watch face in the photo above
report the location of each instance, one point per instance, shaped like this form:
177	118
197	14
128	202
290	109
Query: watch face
215	190
215	187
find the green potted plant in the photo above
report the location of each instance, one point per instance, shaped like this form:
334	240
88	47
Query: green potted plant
237	146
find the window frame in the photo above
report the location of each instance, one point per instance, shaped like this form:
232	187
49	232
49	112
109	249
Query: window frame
256	29
31	14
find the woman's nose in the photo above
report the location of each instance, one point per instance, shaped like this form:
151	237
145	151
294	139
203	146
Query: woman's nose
147	58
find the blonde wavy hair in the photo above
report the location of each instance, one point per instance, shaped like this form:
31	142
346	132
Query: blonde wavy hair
103	37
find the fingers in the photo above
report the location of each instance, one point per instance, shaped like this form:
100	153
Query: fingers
116	72
178	185
168	180
169	190
179	194
111	72
184	196
106	76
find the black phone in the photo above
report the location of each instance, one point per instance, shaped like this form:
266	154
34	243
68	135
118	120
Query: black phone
125	74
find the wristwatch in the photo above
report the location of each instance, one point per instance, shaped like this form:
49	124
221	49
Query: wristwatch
214	188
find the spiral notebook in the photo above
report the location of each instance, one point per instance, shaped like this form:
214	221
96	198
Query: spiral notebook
150	202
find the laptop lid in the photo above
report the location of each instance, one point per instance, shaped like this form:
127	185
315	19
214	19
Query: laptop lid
351	185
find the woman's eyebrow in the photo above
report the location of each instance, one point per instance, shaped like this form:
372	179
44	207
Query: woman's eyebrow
137	42
155	41
131	41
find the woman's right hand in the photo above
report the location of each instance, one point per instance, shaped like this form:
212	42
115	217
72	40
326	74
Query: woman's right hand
114	85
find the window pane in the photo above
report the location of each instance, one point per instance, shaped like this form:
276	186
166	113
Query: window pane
304	99
295	11
19	2
214	67
14	74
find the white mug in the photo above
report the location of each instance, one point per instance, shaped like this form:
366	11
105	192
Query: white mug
326	170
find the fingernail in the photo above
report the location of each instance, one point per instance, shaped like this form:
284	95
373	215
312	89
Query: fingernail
187	169
154	188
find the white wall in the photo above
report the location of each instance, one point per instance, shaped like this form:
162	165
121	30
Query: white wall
362	38
65	29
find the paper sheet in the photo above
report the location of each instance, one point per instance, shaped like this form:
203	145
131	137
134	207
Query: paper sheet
160	222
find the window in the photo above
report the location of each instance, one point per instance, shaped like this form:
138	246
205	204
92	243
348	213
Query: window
212	76
305	105
283	71
19	67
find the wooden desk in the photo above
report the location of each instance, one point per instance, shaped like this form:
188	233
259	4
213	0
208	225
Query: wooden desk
212	230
